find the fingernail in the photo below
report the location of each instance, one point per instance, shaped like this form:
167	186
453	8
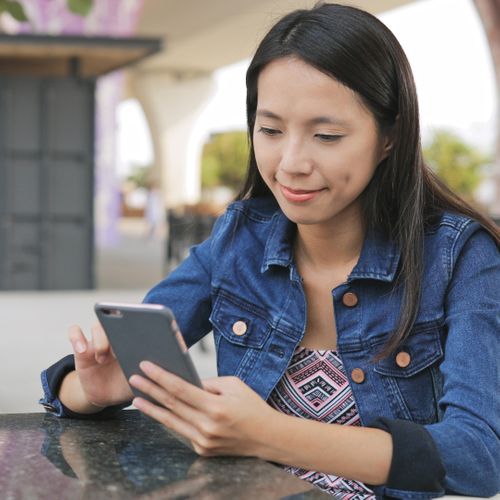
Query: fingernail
101	359
80	347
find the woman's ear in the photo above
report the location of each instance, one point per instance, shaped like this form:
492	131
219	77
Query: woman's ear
386	148
388	142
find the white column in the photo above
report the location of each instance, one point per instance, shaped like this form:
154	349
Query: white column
489	12
172	106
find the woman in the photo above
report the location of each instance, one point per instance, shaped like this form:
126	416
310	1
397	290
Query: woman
346	285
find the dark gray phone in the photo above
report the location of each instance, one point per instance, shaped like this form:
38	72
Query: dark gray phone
146	332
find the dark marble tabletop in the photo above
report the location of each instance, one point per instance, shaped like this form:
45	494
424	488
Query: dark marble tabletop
130	456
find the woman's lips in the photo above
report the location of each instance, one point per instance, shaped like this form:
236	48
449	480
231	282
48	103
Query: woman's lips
299	195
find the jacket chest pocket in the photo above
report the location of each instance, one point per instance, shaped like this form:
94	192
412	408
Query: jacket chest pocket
411	376
240	332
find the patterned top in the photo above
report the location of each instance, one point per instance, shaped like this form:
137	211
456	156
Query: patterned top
316	387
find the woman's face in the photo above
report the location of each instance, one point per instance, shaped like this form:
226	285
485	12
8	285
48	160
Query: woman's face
316	145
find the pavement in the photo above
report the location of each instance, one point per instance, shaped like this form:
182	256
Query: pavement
34	325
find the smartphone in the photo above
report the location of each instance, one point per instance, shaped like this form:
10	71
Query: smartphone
146	332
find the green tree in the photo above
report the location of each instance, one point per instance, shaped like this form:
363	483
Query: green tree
16	9
224	160
458	164
142	176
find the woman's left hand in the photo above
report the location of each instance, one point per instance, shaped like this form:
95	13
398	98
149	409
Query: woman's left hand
227	418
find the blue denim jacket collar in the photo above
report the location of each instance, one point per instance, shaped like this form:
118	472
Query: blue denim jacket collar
379	257
279	245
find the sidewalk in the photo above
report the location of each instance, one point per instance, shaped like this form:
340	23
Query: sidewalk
34	325
136	262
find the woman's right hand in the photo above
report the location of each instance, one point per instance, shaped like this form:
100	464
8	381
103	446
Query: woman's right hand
97	372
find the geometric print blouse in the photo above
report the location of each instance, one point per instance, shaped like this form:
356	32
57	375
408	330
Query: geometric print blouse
316	387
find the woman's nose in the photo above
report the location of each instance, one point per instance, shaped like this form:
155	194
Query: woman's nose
295	159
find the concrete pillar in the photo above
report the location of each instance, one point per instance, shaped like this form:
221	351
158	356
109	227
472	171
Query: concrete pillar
489	12
172	105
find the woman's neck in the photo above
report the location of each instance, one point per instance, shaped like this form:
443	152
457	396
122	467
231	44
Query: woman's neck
336	243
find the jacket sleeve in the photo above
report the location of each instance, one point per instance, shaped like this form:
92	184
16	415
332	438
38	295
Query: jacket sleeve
460	453
186	291
52	378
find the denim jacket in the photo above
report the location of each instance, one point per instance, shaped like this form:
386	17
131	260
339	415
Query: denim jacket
437	395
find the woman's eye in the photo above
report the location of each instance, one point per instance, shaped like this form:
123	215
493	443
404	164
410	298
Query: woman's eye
328	137
269	131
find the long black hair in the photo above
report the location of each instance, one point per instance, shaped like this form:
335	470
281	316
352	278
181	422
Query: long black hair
404	196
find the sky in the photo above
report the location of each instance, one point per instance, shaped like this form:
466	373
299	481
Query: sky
449	55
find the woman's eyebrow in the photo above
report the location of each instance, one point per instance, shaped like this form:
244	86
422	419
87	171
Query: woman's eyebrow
317	120
268	114
328	120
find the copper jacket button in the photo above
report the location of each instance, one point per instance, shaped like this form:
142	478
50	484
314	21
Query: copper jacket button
350	299
239	328
358	375
403	359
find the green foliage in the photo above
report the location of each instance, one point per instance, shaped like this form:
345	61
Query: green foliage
141	176
224	160
14	8
80	7
458	164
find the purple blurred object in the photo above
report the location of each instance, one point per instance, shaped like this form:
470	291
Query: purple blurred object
117	18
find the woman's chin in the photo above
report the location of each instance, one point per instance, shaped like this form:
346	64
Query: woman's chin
303	217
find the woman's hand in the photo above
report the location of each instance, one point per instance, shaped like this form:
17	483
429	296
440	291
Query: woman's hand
227	418
101	379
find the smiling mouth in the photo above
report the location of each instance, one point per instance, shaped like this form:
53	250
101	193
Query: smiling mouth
299	195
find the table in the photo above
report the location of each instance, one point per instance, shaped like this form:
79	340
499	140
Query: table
130	456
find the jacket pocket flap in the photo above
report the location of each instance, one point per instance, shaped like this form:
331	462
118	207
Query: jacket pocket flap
422	349
239	322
